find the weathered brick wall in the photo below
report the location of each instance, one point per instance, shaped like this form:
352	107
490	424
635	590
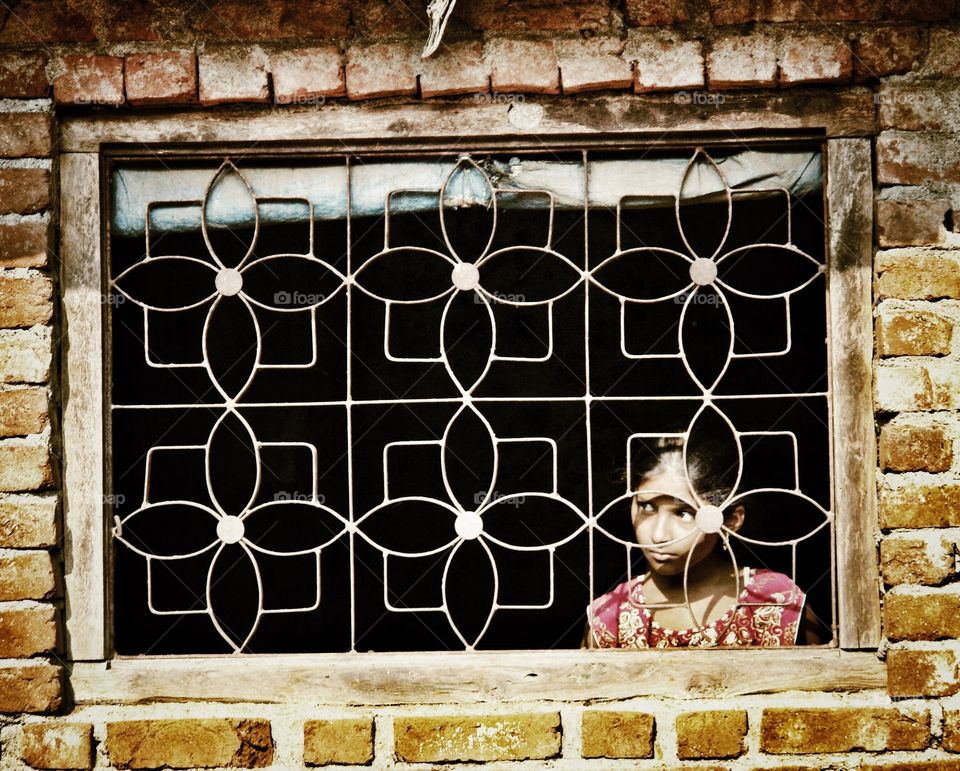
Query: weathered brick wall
126	57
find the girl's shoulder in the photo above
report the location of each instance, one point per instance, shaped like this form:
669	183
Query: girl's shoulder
620	594
770	585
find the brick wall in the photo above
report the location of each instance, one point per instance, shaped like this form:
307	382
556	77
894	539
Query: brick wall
124	58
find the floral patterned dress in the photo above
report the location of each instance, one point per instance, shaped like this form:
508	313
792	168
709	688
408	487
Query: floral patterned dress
767	614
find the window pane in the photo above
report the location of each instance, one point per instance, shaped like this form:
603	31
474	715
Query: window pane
403	403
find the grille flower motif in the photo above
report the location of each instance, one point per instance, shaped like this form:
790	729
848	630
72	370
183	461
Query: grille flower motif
710	425
470	273
462	529
760	271
230	281
231	528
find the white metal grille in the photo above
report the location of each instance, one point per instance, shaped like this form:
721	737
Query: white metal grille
465	253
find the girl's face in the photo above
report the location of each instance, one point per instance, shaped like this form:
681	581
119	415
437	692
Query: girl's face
664	520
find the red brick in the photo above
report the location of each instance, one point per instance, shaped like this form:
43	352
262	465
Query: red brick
919	107
24	191
817	730
381	69
456	68
28	521
656	13
817	58
27	575
90	80
169	77
233	76
908	447
743	61
925	560
24	467
30	687
25	301
918	274
592	65
711	734
198	743
347	741
524	66
40	21
943	52
929	614
379	19
733	11
58	745
124	22
25	135
23	411
744	11
26	632
908	332
307	75
921	673
440	739
664	62
616	734
24	244
887	51
911	222
23	74
918	10
513	16
913	158
273	20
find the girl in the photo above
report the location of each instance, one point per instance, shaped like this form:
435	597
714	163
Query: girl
692	595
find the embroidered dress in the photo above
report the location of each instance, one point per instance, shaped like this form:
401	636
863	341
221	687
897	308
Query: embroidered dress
766	614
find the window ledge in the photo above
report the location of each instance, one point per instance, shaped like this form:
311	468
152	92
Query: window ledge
407	678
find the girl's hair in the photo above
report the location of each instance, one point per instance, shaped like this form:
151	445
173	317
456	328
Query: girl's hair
711	474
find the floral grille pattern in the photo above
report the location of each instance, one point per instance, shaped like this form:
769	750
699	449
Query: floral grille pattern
477	248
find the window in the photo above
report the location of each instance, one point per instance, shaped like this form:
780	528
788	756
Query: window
311	357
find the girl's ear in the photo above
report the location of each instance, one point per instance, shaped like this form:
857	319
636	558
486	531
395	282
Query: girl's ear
735	518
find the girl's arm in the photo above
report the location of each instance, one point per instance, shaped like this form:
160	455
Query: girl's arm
812	630
588	639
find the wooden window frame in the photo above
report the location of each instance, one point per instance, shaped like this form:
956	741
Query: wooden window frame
841	121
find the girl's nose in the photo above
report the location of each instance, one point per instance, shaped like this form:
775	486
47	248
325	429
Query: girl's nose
661	526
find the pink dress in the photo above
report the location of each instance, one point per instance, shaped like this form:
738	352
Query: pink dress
767	614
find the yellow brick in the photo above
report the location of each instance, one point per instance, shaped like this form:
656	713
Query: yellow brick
481	738
609	734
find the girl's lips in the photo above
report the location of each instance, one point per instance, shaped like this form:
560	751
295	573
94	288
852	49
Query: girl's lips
661	556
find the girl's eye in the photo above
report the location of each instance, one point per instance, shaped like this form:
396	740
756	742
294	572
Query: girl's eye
647	507
686	515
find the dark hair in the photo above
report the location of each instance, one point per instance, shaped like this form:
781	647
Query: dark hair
712	473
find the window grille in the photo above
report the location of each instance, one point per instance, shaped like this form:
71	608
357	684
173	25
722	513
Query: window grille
384	402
